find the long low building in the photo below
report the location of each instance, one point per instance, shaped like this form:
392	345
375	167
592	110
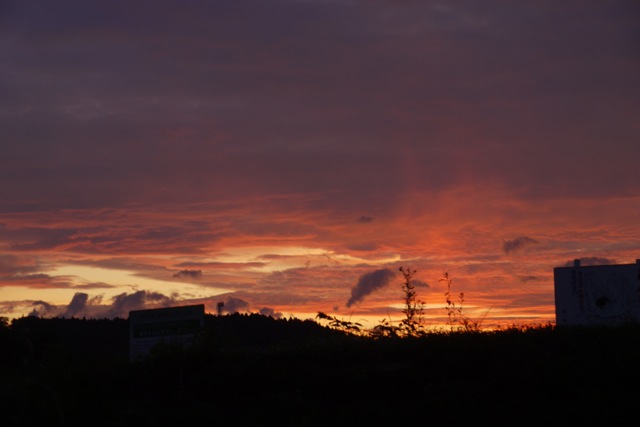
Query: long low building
169	325
597	294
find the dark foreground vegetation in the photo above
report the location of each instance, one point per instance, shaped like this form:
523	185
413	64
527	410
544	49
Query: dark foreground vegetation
257	371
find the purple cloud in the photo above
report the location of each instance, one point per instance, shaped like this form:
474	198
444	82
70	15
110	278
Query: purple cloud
370	282
511	246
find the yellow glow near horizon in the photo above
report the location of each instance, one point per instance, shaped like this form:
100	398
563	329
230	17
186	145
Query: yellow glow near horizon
120	279
255	252
284	257
430	306
53	296
116	282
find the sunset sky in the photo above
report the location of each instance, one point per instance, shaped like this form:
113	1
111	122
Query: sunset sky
288	156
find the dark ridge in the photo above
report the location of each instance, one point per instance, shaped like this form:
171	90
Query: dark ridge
256	370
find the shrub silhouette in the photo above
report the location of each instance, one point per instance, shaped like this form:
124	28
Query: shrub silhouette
413	323
346	326
456	319
256	370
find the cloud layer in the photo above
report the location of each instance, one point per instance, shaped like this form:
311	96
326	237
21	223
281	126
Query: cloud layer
279	152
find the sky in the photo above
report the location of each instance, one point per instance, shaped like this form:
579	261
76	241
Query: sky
287	157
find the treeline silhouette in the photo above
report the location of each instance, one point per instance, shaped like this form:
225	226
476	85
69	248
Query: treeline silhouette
249	369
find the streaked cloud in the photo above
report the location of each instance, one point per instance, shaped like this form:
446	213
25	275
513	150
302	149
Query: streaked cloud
592	261
235	305
268	311
43	309
515	245
123	303
287	149
192	274
77	304
368	283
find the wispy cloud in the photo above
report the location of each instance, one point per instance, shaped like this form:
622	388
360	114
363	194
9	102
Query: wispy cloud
368	283
43	309
123	303
592	261
235	305
225	265
268	311
517	244
77	304
13	264
192	274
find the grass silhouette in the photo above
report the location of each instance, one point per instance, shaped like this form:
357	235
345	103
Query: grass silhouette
256	370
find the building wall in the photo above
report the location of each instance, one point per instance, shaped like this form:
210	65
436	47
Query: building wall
169	325
597	295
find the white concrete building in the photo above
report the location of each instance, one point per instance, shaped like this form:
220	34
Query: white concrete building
597	294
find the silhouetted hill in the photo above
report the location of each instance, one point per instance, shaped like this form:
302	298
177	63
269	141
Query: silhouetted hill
255	370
